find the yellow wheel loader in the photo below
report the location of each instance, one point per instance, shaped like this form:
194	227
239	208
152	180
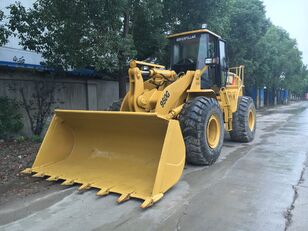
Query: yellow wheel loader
167	117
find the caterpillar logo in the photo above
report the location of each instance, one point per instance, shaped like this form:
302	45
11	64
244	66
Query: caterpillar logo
164	99
186	38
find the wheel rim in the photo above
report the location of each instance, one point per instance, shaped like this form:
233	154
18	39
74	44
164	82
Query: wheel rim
251	120
213	131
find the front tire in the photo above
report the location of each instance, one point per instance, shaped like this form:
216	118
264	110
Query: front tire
202	126
244	121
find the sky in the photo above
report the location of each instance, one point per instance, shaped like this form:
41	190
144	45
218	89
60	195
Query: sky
292	15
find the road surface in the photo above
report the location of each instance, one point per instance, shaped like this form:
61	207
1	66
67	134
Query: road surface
262	185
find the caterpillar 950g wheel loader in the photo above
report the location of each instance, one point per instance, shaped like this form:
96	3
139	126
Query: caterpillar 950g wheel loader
166	117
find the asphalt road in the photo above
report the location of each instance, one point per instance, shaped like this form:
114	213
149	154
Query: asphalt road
262	185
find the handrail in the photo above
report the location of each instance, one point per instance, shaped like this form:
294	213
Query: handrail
239	71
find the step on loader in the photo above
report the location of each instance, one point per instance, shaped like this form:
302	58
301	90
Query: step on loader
168	116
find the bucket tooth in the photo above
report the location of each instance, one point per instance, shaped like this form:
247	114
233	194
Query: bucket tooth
84	187
147	203
68	182
39	174
103	192
26	171
52	178
124	197
150	201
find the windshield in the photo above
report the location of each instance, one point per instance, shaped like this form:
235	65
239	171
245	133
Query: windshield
185	52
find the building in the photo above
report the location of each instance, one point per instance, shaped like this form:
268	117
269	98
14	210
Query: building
82	89
12	54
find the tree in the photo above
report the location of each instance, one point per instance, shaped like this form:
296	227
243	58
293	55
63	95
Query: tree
248	24
105	35
183	15
88	35
39	105
280	60
4	33
10	117
299	83
148	29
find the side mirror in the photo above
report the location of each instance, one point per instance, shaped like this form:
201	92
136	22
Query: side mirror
211	61
208	61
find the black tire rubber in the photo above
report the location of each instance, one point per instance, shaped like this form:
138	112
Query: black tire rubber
115	106
241	131
193	120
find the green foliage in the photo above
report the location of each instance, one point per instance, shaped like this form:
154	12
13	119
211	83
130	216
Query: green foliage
4	32
281	63
21	139
248	24
10	117
106	34
36	139
183	15
148	29
74	33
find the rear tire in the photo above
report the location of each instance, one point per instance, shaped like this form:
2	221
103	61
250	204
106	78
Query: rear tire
244	121
203	130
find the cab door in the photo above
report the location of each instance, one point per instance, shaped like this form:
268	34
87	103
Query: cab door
210	77
223	67
216	75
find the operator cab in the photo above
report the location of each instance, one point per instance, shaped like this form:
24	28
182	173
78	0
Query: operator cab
195	49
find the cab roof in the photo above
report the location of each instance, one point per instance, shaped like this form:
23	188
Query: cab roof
200	31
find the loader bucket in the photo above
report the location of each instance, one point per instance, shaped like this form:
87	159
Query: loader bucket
136	155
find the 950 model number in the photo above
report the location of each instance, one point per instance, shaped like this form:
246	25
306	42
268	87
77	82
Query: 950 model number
164	99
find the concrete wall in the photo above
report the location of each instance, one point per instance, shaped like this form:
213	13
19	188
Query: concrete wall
71	92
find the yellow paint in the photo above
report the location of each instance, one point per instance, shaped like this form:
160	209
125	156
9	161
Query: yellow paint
123	152
213	131
134	63
251	120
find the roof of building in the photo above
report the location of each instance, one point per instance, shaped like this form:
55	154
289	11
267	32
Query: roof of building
24	66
